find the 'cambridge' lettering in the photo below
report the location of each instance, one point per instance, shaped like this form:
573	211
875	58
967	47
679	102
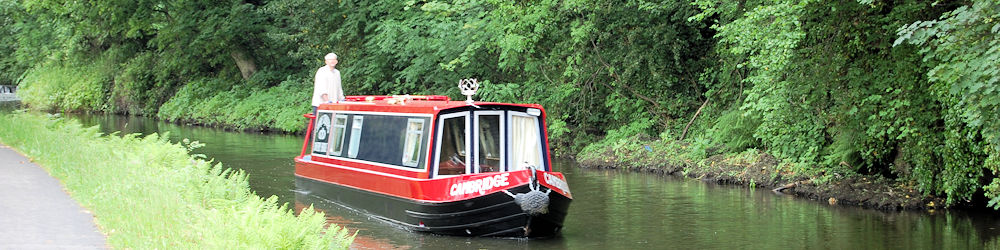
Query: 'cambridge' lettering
480	185
558	183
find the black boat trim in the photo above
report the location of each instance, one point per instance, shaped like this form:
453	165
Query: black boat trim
474	224
506	231
420	215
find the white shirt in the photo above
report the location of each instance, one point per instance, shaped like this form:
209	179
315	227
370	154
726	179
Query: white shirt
327	82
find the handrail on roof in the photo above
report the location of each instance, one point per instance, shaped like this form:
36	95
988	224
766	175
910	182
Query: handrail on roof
362	98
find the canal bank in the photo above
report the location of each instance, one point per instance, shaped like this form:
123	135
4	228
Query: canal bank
760	170
36	212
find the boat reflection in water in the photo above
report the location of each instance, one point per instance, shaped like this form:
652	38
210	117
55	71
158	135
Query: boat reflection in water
361	241
429	164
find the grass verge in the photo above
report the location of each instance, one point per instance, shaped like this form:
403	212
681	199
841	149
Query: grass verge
149	193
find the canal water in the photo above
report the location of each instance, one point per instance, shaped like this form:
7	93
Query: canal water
612	209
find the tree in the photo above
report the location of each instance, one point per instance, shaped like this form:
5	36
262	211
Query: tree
10	69
964	47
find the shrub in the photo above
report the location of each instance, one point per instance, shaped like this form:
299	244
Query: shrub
205	102
66	87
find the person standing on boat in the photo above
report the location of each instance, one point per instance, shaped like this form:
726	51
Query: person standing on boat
327	85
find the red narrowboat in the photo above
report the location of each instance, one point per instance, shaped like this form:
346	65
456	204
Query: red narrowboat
435	165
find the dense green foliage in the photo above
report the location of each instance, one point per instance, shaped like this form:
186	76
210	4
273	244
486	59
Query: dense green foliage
832	86
149	193
10	69
902	89
963	49
201	102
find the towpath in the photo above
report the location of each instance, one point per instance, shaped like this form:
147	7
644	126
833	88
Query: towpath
35	211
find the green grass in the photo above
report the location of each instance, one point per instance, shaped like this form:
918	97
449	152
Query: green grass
149	193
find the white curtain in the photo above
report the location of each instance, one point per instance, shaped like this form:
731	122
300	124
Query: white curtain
525	148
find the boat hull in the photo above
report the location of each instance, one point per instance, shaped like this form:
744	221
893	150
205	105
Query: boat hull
495	214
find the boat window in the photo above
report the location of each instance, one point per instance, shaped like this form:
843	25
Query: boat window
526	145
339	125
414	137
387	140
352	150
321	133
451	158
383	140
489	143
457	131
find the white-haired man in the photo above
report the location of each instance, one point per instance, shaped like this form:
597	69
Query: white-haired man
327	85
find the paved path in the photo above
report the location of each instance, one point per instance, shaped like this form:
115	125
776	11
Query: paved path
4	97
35	212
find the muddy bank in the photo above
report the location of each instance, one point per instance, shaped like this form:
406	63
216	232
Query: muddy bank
763	171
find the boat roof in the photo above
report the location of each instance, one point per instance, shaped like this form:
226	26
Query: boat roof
426	104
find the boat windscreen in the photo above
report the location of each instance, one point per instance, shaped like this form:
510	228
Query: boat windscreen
452	155
489	143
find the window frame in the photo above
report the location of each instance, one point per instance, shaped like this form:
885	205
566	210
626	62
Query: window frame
503	126
333	149
510	138
440	121
357	125
421	168
415	158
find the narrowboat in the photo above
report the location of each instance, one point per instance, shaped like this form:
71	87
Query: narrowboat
431	164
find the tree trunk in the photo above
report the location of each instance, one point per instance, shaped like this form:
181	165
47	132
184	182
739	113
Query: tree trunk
692	118
246	64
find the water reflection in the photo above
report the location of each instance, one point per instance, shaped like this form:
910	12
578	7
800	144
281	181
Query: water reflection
692	214
612	210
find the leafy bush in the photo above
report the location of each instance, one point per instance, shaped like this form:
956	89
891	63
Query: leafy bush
963	48
66	88
208	101
183	105
735	129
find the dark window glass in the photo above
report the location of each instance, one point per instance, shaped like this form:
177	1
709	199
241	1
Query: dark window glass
452	156
489	143
382	140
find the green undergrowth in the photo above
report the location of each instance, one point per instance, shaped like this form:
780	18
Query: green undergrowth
700	159
211	102
52	87
249	105
753	168
148	193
